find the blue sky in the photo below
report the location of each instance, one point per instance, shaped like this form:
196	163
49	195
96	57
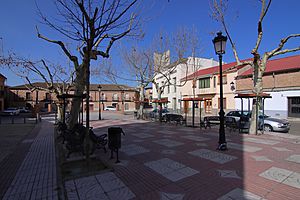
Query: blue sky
18	19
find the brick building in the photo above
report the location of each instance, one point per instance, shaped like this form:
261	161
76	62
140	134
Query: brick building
120	96
2	91
282	81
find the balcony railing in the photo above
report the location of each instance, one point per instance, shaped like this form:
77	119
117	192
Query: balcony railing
115	99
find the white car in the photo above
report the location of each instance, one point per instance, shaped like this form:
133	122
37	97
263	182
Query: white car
111	108
11	111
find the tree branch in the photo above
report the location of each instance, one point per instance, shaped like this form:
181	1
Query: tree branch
62	45
279	50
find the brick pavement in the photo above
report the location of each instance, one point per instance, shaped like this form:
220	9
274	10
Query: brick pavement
10	164
174	162
36	176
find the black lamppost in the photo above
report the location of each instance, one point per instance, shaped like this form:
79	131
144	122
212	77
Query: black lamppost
99	89
220	45
122	98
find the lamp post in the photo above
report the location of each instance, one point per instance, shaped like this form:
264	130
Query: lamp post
99	89
220	44
122	98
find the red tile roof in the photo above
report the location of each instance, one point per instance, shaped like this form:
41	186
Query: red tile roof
279	65
211	70
276	65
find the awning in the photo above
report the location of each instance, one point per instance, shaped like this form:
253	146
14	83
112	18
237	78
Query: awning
162	100
193	99
252	95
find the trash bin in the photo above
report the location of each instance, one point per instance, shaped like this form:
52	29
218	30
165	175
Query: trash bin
114	137
114	140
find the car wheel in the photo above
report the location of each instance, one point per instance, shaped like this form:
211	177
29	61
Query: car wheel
268	128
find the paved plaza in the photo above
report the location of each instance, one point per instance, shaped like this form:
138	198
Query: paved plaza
163	161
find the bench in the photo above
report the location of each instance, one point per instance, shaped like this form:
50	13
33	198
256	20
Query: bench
75	140
231	123
211	120
177	118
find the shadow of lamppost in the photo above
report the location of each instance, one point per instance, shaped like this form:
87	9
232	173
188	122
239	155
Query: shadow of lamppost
220	44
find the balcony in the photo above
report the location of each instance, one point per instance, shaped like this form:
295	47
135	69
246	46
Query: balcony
128	99
115	99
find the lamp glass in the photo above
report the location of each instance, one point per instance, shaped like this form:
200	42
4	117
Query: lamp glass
220	43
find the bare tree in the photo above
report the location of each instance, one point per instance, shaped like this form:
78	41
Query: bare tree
96	25
259	61
58	79
140	66
183	41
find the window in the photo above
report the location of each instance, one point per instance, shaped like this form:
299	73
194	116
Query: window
215	82
296	100
224	80
48	96
126	106
224	103
127	98
295	109
28	96
204	83
174	82
115	97
103	98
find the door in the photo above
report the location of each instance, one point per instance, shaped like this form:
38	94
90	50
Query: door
208	105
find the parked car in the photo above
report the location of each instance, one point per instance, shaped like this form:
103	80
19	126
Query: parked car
111	108
24	110
11	111
265	122
155	113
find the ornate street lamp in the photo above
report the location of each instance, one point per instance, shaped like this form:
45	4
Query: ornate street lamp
99	89
220	45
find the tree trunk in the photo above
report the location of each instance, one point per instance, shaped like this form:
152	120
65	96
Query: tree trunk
79	85
259	69
59	112
160	104
142	100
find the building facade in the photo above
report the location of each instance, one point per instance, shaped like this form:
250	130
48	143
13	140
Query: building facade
205	85
176	72
120	96
282	81
2	91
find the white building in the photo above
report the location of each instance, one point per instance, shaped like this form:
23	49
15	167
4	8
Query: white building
169	79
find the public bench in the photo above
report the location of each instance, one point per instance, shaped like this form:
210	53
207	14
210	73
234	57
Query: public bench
74	139
211	120
174	118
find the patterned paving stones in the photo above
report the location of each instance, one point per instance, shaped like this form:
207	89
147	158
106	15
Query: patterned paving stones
195	138
229	174
262	158
142	135
168	142
243	147
238	193
294	158
261	141
170	169
186	165
214	156
282	176
133	149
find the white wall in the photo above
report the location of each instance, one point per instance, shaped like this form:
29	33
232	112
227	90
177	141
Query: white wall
277	106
